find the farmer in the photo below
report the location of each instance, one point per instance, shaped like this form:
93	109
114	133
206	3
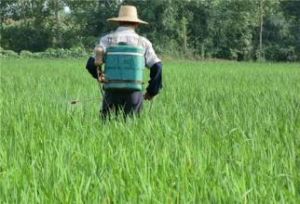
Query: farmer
126	54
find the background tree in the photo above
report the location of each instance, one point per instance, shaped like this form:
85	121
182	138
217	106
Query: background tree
235	29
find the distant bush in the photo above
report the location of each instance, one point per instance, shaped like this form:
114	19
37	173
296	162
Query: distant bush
25	53
78	52
37	54
49	53
276	53
63	53
24	36
8	53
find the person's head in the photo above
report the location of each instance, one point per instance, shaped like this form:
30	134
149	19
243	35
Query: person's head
127	17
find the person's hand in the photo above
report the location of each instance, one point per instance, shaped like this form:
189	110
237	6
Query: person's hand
101	78
99	52
98	62
147	96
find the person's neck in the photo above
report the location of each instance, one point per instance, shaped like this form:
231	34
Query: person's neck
127	26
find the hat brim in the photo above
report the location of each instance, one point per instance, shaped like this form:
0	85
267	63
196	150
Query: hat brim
124	19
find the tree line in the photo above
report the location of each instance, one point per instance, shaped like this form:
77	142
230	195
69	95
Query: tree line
226	29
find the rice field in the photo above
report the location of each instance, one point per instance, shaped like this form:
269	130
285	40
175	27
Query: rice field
219	132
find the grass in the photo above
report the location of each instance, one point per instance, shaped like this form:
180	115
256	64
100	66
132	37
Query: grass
219	132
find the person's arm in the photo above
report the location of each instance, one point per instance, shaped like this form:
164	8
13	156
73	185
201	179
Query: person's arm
155	66
91	67
155	82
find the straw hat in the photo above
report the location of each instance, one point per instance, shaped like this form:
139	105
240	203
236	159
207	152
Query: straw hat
127	14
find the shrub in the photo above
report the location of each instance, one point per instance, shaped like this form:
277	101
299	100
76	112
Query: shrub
78	52
9	53
64	53
276	53
37	54
25	53
22	36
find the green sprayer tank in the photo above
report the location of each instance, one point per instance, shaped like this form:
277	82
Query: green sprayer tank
124	66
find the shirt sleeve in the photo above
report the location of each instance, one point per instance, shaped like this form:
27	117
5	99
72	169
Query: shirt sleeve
155	82
150	55
103	43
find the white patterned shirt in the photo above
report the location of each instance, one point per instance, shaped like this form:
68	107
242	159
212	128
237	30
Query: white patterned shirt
129	36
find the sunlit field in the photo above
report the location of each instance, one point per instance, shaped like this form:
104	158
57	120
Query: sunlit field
219	132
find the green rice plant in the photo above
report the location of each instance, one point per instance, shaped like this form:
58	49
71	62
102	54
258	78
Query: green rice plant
219	132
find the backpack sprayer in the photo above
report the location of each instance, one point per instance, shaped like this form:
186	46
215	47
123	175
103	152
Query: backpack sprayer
124	66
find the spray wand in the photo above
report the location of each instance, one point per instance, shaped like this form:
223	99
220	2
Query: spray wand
99	52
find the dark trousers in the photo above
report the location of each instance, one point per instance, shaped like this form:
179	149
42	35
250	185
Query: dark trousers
127	103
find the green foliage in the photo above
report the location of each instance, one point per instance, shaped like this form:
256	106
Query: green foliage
215	28
291	11
219	132
75	52
277	53
9	53
65	53
26	53
25	37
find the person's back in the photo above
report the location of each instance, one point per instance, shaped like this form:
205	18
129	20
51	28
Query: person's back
128	100
125	33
